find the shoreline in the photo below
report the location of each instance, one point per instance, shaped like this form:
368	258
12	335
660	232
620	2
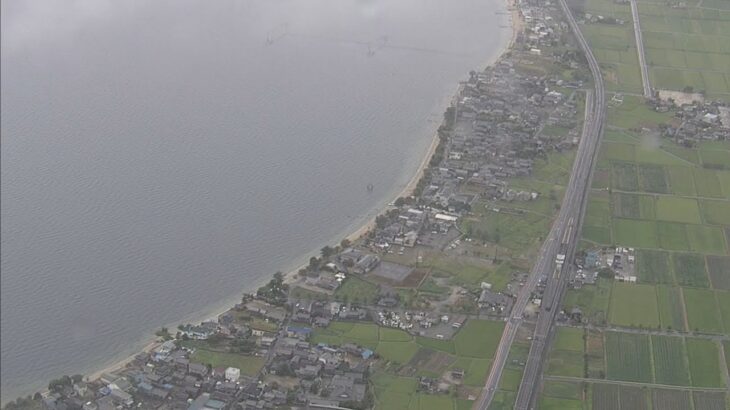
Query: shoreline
516	23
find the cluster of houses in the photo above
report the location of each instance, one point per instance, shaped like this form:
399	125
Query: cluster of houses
696	121
171	376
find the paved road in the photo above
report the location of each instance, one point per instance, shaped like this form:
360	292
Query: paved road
561	239
640	50
571	214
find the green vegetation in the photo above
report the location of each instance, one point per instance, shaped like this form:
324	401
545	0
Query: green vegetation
634	305
592	300
719	270
249	365
704	362
678	209
702	312
565	363
671	309
689	269
669	360
357	290
569	338
478	338
653	266
628	357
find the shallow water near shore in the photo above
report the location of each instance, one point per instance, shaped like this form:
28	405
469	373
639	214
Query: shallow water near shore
158	158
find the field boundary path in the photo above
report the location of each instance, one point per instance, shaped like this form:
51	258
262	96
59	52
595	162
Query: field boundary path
640	50
628	383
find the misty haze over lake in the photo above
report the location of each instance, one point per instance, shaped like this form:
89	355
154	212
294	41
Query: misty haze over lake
159	157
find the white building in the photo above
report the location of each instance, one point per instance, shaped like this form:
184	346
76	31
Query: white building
233	374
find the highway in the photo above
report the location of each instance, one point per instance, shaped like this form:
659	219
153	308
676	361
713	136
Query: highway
640	50
562	239
574	204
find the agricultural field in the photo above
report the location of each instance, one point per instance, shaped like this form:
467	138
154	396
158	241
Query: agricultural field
669	360
595	352
653	266
704	363
605	396
702	310
634	305
689	268
677	209
671	307
478	338
671	399
632	397
565	363
562	390
569	338
719	270
628	357
723	303
709	400
687	47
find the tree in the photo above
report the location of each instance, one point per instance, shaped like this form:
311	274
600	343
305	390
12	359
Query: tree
327	251
345	243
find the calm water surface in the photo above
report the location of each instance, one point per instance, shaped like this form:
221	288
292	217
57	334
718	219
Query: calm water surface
159	157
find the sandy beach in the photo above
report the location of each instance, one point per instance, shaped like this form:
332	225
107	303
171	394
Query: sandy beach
290	277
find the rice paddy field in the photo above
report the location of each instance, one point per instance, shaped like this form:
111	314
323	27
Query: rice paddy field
688	47
669	202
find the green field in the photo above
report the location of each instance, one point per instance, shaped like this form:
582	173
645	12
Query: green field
681	180
666	399
702	310
356	290
634	305
654	266
719	269
633	397
554	403
478	338
706	239
704	362
628	357
709	400
678	209
565	363
624	176
605	397
689	268
723	304
563	390
592	300
635	233
671	308
569	338
672	236
249	365
716	212
653	179
669	360
707	183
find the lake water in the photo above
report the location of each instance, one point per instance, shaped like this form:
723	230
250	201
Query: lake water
159	157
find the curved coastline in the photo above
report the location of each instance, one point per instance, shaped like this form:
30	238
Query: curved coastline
150	342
